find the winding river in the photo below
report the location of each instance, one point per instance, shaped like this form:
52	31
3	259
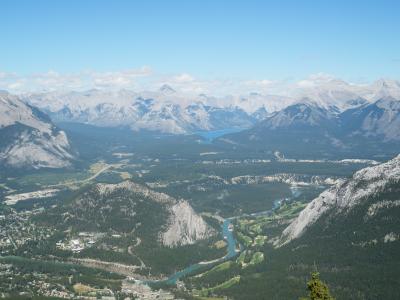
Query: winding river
231	252
229	238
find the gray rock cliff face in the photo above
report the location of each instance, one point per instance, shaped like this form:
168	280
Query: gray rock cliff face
28	137
345	196
184	226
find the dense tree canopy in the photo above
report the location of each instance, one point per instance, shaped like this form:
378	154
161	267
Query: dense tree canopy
318	289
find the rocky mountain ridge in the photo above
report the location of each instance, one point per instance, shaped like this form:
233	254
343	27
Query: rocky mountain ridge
29	138
178	223
163	111
169	111
347	195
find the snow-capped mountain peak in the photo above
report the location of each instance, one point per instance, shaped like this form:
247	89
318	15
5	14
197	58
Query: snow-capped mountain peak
167	89
324	96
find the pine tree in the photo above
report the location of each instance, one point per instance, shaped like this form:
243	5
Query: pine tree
318	289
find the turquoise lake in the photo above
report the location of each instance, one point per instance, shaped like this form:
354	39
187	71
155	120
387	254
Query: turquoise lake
210	136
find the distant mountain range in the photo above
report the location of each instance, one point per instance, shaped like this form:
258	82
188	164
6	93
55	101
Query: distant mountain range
330	113
380	118
308	128
28	138
165	110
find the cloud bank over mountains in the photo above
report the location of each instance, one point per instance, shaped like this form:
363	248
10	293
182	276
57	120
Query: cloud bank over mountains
147	79
140	79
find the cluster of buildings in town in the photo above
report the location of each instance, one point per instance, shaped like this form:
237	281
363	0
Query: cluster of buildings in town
78	243
13	280
142	291
16	230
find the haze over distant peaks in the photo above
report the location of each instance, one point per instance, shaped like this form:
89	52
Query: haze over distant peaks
165	88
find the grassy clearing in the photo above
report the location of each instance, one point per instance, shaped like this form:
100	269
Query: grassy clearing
242	258
97	167
219	268
256	228
125	175
260	240
225	285
209	298
246	240
82	289
220	244
50	178
257	258
290	210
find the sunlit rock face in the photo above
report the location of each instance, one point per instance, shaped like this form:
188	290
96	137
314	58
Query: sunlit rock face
185	226
28	138
345	196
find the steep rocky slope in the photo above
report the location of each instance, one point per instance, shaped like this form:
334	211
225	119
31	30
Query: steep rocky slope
309	130
378	119
184	226
130	208
350	234
349	195
28	138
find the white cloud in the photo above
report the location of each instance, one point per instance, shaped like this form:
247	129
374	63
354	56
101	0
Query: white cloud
15	85
183	78
144	78
316	80
135	79
52	80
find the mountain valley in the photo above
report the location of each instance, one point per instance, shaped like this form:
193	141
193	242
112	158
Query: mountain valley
151	196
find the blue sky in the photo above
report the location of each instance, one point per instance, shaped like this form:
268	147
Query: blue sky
353	40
